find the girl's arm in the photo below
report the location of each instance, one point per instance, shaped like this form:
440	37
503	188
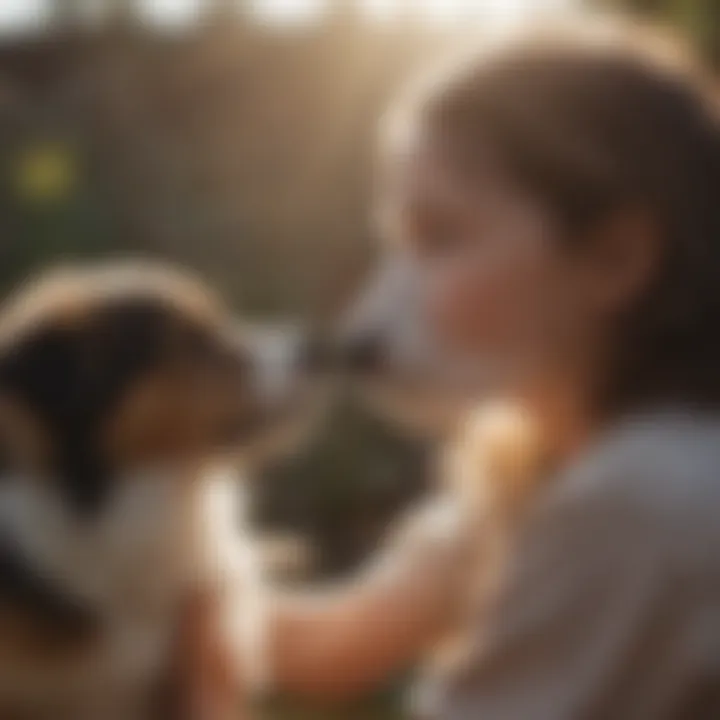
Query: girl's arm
337	643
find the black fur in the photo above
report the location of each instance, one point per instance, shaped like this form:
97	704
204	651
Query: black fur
71	379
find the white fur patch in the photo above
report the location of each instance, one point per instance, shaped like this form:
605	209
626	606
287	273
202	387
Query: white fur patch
129	548
227	562
158	535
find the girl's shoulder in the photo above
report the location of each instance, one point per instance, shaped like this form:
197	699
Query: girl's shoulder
661	466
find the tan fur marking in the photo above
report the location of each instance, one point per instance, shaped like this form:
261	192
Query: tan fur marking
174	413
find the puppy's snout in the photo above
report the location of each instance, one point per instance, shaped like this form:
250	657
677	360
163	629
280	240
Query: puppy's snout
287	361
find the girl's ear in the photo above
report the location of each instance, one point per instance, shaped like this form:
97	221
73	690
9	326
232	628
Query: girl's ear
622	260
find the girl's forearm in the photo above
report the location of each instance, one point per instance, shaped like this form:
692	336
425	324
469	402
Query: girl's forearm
344	641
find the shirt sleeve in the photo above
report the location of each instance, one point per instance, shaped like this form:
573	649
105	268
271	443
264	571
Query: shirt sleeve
581	593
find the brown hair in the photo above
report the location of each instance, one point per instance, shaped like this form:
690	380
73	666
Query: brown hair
592	123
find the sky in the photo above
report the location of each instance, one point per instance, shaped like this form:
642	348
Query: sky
24	15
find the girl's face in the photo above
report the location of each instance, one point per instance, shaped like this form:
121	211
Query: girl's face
497	288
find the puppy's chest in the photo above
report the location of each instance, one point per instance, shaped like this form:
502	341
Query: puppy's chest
131	568
119	672
125	553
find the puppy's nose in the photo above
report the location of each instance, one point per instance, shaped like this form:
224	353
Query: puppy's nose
362	354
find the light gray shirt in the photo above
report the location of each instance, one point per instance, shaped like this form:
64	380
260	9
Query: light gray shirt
611	610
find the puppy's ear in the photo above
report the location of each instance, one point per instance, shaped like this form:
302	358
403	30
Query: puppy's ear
46	410
61	382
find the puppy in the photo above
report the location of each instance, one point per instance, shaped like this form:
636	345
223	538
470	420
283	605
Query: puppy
128	396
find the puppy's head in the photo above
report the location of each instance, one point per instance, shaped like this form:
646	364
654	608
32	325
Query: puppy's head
389	349
107	370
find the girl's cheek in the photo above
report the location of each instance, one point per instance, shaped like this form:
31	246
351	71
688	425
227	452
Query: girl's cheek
468	306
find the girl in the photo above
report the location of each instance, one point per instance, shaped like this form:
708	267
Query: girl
559	201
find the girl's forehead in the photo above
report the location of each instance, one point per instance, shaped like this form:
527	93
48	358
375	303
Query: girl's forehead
421	167
434	162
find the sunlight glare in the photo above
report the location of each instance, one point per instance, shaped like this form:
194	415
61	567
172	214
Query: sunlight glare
18	16
171	14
